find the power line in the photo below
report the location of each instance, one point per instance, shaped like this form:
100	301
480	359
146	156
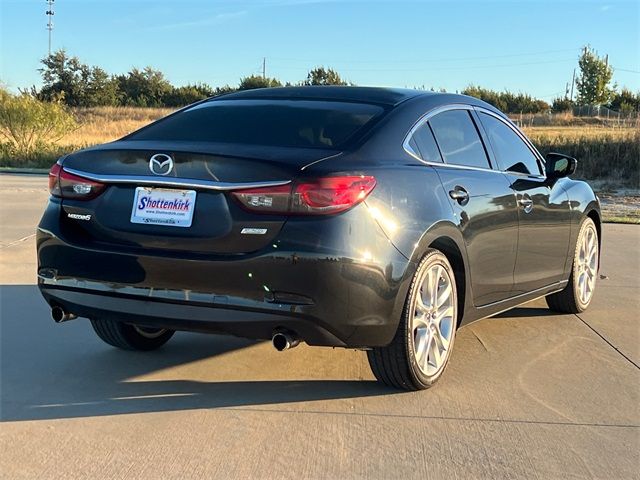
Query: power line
440	68
427	60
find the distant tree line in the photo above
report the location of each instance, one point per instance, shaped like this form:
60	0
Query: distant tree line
69	81
507	101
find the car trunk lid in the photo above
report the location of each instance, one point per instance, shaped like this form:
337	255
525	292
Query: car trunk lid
202	173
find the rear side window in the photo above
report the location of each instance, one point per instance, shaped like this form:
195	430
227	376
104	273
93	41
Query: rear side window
511	152
286	123
426	144
458	139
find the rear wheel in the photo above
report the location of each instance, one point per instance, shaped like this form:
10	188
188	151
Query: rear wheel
577	295
420	350
130	337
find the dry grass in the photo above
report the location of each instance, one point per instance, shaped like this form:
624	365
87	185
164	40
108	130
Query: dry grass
608	155
599	132
607	150
105	124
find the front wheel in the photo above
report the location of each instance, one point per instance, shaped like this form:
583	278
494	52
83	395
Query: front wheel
130	337
421	348
577	295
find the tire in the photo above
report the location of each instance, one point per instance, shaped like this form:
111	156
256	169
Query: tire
130	337
400	364
578	293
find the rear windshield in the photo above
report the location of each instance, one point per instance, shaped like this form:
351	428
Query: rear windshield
286	123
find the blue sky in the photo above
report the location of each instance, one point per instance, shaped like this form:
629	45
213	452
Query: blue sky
516	45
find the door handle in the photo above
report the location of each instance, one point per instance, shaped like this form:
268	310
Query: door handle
526	203
460	195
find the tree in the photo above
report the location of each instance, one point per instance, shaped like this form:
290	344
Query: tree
188	94
257	81
489	96
102	89
322	76
143	88
75	83
223	90
507	101
561	105
625	101
594	79
27	122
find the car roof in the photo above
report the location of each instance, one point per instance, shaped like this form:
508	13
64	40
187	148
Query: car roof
379	95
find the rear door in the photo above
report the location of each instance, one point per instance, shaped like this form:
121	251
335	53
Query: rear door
480	197
543	207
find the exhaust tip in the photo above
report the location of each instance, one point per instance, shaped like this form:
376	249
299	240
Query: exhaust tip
283	341
59	315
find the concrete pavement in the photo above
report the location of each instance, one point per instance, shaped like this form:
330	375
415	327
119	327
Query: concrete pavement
528	394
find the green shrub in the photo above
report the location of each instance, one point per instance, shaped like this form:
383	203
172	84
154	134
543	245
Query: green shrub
256	81
28	124
561	105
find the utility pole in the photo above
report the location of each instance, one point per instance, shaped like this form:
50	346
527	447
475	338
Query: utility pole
50	13
573	82
264	67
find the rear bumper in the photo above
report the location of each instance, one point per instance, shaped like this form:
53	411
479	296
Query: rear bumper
190	315
310	281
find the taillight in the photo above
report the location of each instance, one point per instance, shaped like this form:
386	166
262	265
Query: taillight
321	196
66	185
54	180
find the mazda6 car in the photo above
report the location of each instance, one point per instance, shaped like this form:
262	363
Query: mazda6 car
367	218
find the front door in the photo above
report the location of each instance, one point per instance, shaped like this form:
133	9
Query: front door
543	207
544	231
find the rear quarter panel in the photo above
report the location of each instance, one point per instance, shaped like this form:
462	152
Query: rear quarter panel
410	206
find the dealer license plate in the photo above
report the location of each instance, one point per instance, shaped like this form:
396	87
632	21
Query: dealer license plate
160	206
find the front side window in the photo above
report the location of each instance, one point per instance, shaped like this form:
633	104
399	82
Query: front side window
511	152
458	139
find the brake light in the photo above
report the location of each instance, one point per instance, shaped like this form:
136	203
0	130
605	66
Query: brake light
66	185
321	196
54	180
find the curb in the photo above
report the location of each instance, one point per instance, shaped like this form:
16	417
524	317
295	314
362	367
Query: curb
24	171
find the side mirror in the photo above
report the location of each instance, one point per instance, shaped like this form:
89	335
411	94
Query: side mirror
559	165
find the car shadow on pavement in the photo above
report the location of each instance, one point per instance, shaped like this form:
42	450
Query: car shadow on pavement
50	371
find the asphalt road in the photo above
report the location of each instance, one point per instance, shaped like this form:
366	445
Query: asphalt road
528	394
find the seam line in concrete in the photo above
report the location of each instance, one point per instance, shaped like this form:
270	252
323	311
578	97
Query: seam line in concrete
426	417
608	342
16	242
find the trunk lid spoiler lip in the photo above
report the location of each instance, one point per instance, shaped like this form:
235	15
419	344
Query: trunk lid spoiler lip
174	181
287	155
314	156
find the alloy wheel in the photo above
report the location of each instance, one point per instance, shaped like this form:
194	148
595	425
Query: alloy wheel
433	325
587	265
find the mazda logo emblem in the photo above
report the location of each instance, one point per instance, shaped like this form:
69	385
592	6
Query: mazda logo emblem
161	164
